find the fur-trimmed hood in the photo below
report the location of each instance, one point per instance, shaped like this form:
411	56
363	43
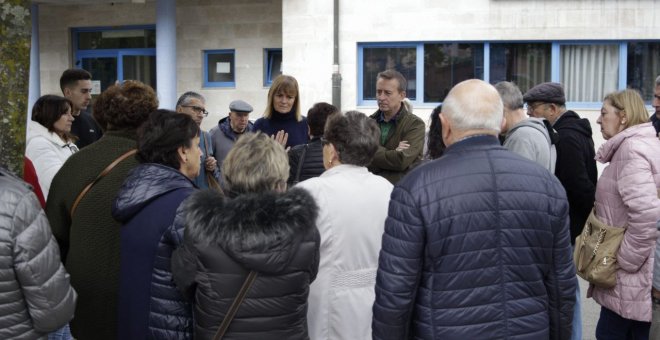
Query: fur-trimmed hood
261	231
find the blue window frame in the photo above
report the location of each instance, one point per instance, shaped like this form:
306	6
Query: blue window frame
219	68
588	69
272	64
113	54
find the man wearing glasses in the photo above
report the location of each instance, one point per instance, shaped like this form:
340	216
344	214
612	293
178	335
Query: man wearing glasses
194	105
576	164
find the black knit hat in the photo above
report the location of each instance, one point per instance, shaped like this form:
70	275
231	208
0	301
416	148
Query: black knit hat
547	93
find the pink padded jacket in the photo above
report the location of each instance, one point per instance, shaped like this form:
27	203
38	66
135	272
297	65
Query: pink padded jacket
627	196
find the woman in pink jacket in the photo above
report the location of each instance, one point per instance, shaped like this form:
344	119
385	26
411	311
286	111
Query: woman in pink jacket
627	197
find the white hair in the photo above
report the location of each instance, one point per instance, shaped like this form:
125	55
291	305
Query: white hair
474	109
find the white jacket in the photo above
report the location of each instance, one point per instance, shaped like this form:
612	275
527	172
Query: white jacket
353	206
48	152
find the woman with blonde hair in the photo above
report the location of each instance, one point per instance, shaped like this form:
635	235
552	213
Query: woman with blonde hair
259	235
627	197
282	118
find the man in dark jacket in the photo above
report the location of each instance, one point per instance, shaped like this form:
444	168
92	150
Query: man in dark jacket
224	135
576	165
306	160
476	244
76	85
401	132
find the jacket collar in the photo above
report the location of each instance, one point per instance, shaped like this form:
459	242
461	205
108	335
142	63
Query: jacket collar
607	150
473	141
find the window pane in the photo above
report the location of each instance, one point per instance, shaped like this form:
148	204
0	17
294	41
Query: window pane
524	64
220	67
446	65
643	67
589	72
140	67
402	59
273	65
113	39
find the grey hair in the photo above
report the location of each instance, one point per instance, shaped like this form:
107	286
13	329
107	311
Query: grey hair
511	96
355	137
657	81
188	96
474	110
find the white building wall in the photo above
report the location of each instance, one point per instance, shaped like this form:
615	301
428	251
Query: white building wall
245	26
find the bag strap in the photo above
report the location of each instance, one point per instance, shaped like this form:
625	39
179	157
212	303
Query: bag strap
300	164
234	305
98	178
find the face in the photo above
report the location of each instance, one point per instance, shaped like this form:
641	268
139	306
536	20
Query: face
610	120
656	101
63	124
388	95
194	157
283	102
79	94
238	121
537	110
195	108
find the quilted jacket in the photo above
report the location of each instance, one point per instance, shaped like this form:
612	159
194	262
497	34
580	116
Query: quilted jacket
312	165
476	246
626	196
150	306
35	294
272	233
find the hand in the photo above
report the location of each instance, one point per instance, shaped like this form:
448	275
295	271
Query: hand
281	137
403	145
210	163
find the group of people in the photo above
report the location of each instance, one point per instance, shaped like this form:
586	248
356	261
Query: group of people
331	225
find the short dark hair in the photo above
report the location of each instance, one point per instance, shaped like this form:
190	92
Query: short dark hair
160	137
48	109
72	75
355	137
317	116
125	106
394	74
435	145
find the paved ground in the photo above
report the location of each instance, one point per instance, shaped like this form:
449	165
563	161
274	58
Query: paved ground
590	313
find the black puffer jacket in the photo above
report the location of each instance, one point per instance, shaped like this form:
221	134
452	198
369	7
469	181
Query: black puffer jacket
312	165
576	167
272	233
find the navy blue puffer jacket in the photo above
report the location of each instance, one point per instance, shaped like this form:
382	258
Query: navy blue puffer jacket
150	305
476	246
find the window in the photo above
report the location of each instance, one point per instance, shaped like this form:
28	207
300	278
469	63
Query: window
525	64
219	68
446	65
588	70
272	64
643	67
116	54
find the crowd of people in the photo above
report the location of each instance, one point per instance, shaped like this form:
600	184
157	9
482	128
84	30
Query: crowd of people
333	225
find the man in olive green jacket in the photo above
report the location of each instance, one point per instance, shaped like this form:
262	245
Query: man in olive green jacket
402	133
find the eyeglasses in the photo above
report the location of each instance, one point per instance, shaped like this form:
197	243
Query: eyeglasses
197	109
532	108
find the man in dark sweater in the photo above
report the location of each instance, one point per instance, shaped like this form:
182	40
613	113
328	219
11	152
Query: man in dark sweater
76	85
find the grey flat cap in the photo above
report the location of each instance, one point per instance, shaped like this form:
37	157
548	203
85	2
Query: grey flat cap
240	106
547	93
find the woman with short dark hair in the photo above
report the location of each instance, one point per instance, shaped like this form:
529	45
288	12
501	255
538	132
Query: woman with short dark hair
352	209
49	139
147	203
259	227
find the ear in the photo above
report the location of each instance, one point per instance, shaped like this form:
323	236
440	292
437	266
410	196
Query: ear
183	156
179	109
67	91
446	129
503	124
624	118
403	94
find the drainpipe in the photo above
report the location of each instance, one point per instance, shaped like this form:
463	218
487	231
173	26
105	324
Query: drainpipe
336	75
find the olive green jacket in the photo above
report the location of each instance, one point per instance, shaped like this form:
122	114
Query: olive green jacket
392	164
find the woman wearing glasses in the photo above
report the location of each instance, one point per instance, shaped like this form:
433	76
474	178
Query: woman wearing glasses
194	105
352	209
49	139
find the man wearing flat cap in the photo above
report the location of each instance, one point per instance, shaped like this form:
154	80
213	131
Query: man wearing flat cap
576	166
224	135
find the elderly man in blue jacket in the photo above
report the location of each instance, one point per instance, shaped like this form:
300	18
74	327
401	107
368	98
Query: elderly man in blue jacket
476	244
